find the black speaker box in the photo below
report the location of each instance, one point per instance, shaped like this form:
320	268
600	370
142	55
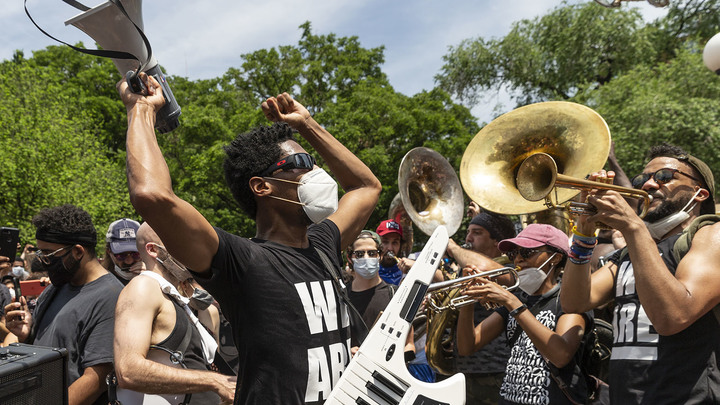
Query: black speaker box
32	375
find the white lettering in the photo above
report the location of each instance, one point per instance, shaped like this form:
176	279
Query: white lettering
624	330
645	329
625	280
632	329
338	359
320	307
318	383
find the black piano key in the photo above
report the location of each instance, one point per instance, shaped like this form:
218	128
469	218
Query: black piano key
360	401
386	382
423	400
379	392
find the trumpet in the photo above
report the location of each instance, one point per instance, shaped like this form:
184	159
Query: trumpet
538	176
454	298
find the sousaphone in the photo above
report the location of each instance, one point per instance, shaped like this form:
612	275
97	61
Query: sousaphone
575	136
536	157
430	191
431	195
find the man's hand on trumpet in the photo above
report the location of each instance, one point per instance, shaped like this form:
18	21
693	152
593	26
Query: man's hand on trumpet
612	208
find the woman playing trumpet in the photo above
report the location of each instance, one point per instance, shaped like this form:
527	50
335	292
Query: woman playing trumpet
541	336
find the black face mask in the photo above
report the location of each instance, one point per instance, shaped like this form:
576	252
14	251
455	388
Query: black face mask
59	273
200	299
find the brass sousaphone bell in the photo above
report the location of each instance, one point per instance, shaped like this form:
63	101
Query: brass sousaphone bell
430	191
431	195
535	157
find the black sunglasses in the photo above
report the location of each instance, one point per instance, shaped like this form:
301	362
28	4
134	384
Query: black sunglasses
359	254
295	161
661	176
524	253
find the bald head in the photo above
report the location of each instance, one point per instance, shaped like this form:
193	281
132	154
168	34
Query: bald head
151	251
145	234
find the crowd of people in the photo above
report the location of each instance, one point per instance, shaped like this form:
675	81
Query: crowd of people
144	319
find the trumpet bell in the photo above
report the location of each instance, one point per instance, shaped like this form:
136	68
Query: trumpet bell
430	191
575	136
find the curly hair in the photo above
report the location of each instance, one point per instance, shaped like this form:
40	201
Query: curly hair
248	156
68	219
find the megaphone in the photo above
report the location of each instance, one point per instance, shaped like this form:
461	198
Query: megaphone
117	27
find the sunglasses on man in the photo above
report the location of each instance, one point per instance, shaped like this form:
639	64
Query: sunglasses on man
661	176
295	161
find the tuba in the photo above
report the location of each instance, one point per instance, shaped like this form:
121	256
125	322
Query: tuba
430	191
431	195
535	157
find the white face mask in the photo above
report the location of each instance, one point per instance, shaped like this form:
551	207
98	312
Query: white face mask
317	192
661	227
20	273
124	274
366	267
532	278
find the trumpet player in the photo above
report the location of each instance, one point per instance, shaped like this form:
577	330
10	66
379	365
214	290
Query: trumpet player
392	267
484	370
665	283
540	335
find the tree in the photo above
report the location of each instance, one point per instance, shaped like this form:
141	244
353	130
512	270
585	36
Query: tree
677	102
50	152
550	57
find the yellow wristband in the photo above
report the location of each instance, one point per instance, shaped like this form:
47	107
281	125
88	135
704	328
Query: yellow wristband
575	231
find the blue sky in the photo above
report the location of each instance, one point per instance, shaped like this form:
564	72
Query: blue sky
201	40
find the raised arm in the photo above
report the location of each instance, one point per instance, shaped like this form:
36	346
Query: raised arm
362	188
137	307
672	303
467	257
582	291
186	233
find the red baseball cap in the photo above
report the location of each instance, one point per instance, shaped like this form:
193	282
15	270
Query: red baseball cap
536	235
389	226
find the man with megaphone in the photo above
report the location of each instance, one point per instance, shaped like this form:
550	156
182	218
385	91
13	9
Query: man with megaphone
280	289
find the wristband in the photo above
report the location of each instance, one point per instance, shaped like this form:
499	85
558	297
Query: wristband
575	232
515	312
409	356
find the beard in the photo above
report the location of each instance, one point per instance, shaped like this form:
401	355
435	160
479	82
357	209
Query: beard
387	260
667	207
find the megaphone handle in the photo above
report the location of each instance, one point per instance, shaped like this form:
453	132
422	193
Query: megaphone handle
136	85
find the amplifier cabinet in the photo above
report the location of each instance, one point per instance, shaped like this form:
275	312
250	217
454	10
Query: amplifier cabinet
32	375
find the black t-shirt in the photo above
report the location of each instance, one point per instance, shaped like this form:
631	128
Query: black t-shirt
80	319
370	303
647	368
527	376
290	327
